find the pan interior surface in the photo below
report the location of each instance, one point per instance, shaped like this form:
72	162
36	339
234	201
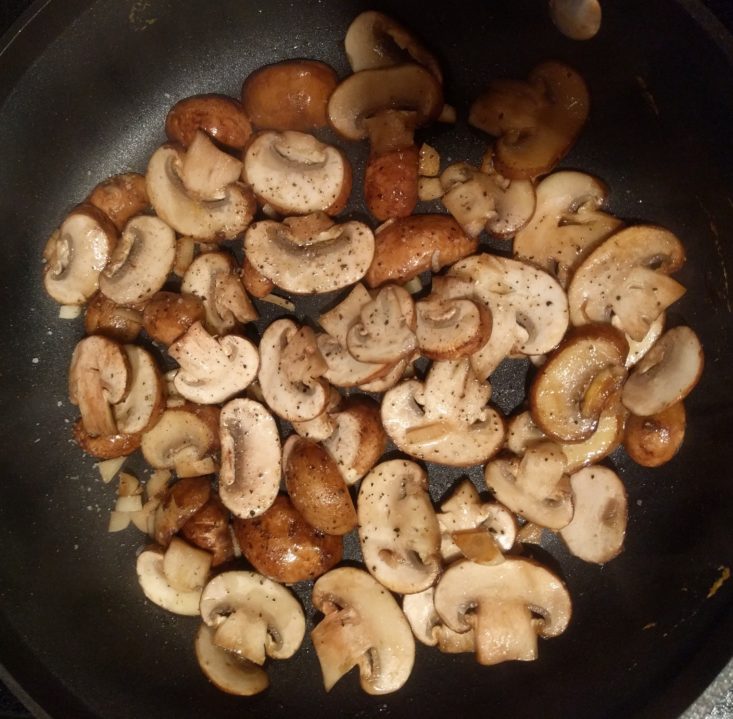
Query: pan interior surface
85	88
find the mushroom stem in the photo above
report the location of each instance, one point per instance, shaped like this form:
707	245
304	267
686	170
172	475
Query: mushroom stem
504	632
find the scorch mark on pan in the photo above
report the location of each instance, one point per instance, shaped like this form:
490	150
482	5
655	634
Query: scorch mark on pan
647	95
138	15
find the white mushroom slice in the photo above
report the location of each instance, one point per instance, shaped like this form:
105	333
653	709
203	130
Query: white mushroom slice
141	261
637	349
576	19
342	369
507	605
428	627
76	253
213	276
250	458
536	486
450	328
206	170
390	377
212	369
666	374
145	398
295	173
529	308
185	567
225	670
325	261
208	220
385	331
98	378
567	223
596	532
178	437
323	425
445	419
291	366
398	529
363	626
158	589
627	276
254	616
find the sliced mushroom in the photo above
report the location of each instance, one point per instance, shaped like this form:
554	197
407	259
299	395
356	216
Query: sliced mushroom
178	504
596	532
536	486
209	529
507	605
627	276
76	253
323	425
121	197
168	315
158	589
206	171
535	122
445	419
250	458
428	627
363	626
576	19
140	262
220	116
398	529
398	371
145	399
295	173
666	374
567	224
186	567
205	220
118	322
106	446
327	260
637	349
213	369
654	440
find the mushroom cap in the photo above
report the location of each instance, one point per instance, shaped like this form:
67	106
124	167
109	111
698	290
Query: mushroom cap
398	529
329	260
249	477
178	504
364	626
576	19
209	529
220	116
295	173
157	588
121	197
408	87
654	440
121	323
419	608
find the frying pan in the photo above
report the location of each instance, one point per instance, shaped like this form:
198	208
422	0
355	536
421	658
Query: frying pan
83	93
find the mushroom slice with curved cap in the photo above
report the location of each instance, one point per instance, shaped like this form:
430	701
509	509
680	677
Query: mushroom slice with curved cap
596	532
141	261
214	277
205	220
99	377
145	399
160	591
179	437
398	529
291	366
212	369
666	374
377	40
295	173
654	440
444	419
206	171
250	458
220	116
121	197
507	605
576	19
327	260
567	223
363	626
627	276
254	617
578	381
535	122
638	348
118	322
225	670
535	486
209	529
323	425
179	503
428	628
76	253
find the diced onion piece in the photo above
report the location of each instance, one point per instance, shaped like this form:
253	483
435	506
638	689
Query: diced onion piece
129	485
158	483
279	301
144	518
186	567
196	467
429	161
413	286
118	521
69	312
129	504
429	189
109	468
448	114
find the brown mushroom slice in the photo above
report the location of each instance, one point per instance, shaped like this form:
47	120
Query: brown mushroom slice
99	377
295	173
536	486
576	19
141	261
358	439
212	370
160	591
627	276
205	220
105	446
220	116
291	367
179	437
376	40
76	253
121	197
535	122
579	379
186	567
325	261
567	224
209	529
145	399
445	419
168	315
666	374
225	670
507	605
179	503
428	628
250	458
363	626
596	532
118	322
654	440
398	529
206	171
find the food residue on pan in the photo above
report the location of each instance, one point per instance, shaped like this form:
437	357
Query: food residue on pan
719	582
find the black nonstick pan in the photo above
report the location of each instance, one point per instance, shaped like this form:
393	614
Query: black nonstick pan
84	89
